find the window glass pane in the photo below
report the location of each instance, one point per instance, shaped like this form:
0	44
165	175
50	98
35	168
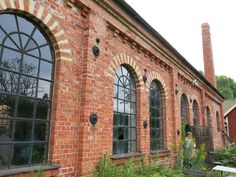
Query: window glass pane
42	109
115	133
114	148
115	108
45	70
9	42
24	40
44	89
25	26
5	153
5	131
23	131
25	107
132	108
8	82
31	45
39	37
115	91
30	65
2	36
16	39
126	119
27	86
121	106
133	146
132	121
46	53
132	97
7	104
40	131
126	133
21	154
127	107
121	92
38	153
132	133
11	59
121	133
8	23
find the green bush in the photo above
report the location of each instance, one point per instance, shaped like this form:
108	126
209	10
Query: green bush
228	153
130	169
198	159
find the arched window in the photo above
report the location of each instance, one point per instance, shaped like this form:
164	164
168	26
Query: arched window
124	112
184	106
208	118
156	117
218	121
26	80
195	113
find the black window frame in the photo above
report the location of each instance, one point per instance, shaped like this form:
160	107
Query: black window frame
156	117
40	112
195	113
124	115
184	109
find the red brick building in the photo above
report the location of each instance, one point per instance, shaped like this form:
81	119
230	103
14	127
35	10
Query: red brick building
65	63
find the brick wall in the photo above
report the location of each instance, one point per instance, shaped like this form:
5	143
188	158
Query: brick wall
84	84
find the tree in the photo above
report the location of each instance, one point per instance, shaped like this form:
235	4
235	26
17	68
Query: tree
226	86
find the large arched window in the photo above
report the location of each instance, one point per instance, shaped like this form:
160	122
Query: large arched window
218	121
208	118
195	113
26	79
184	106
124	112
156	117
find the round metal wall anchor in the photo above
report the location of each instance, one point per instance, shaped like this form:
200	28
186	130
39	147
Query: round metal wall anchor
145	124
93	118
96	51
144	78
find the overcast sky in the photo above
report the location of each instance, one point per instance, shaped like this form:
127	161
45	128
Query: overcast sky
179	22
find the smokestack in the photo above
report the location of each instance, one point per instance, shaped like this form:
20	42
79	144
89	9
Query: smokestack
208	55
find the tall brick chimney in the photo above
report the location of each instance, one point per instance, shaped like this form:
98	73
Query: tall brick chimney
208	55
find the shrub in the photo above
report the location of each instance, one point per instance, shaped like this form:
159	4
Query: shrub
106	168
198	159
226	153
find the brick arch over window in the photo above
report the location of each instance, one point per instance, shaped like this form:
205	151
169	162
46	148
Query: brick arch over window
124	59
46	20
156	76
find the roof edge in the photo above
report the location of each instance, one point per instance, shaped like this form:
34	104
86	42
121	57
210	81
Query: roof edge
133	14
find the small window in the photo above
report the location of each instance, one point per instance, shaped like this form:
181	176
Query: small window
124	113
156	117
208	116
195	113
218	121
184	106
26	80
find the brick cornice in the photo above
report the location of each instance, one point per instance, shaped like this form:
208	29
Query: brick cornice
169	54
